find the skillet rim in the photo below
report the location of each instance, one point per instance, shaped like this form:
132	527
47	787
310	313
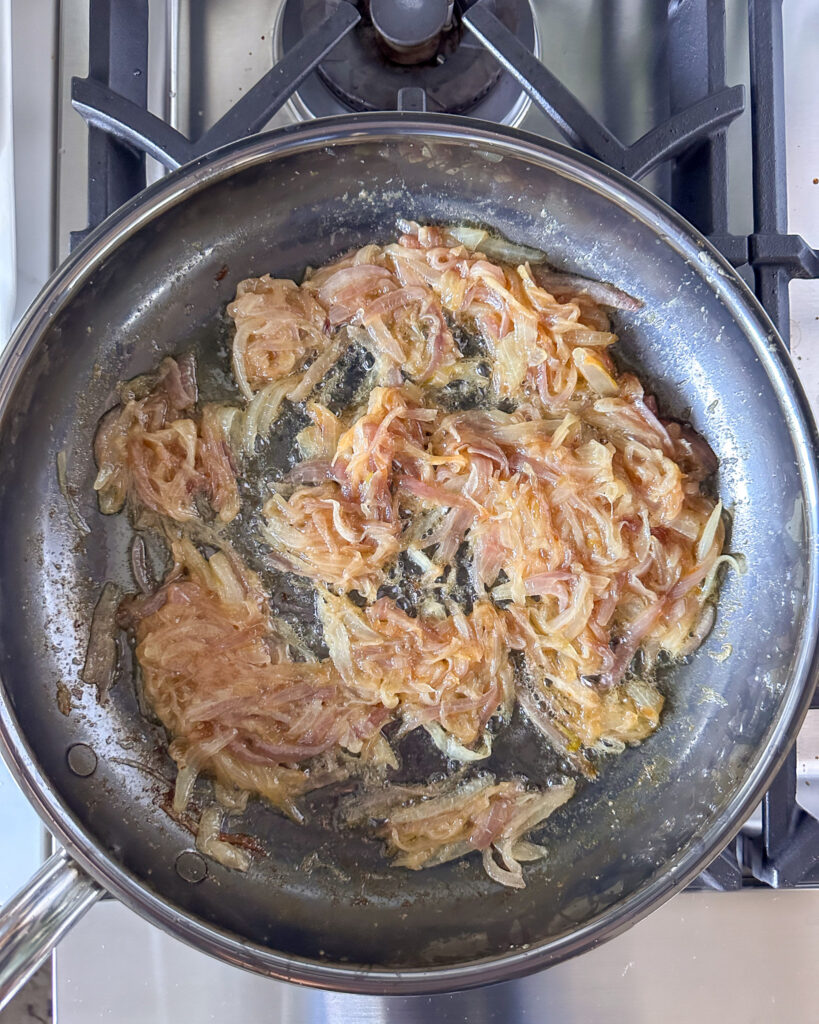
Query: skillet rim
758	330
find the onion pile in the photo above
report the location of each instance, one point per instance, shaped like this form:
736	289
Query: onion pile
433	824
520	547
155	450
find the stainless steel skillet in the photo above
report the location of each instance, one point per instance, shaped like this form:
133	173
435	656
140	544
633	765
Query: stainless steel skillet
154	279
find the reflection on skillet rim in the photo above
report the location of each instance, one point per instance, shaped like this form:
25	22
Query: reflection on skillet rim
741	305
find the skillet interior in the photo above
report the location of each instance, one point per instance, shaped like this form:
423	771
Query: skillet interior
640	827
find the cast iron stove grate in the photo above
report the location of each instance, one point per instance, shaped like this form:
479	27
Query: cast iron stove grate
690	142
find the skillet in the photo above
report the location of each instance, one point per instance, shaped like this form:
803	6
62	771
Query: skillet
322	909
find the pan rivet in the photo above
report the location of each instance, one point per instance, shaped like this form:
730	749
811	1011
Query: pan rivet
81	759
191	867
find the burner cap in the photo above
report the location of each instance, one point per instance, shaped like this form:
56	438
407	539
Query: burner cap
409	30
407	44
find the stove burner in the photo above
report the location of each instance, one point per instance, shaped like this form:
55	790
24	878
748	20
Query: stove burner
401	44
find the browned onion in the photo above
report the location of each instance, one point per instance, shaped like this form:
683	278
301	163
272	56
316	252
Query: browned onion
100	665
569	513
139	565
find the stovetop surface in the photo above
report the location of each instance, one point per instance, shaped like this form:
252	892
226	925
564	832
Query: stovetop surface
717	956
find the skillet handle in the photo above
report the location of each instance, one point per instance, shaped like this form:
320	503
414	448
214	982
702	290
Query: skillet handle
36	918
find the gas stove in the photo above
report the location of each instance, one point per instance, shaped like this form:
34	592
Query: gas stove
711	104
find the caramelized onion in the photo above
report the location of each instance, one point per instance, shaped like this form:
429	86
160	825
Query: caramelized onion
462	560
100	665
139	565
444	821
209	843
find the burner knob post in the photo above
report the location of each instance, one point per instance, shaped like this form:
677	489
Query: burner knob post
409	30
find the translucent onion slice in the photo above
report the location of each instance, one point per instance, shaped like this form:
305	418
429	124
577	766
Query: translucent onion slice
185	780
209	843
449	746
596	375
709	532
